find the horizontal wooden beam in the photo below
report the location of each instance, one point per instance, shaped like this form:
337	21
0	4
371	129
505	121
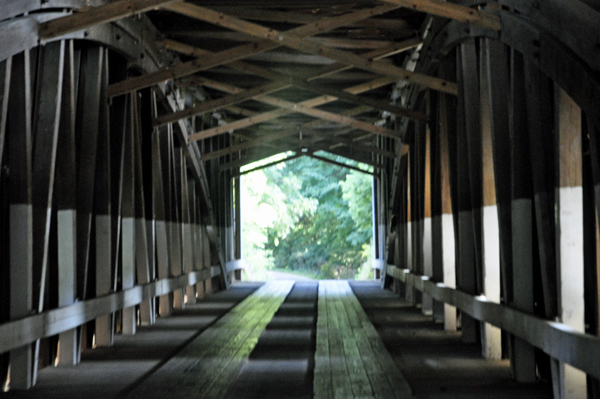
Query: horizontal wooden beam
249	144
343	165
273	137
52	322
558	340
208	106
374	55
233	54
254	14
268	165
266	73
97	15
255	158
188	68
453	11
296	42
314	102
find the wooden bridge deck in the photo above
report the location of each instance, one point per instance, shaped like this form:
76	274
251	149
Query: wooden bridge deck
287	340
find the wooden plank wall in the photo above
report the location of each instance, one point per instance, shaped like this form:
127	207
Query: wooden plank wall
96	202
508	172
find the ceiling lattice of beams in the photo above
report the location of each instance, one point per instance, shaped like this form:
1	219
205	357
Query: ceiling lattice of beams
286	75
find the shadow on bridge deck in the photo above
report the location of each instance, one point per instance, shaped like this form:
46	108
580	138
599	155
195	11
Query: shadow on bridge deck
435	363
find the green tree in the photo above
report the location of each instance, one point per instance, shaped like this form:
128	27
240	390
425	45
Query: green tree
327	240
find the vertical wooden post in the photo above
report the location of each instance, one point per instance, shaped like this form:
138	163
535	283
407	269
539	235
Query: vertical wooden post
437	259
447	133
20	212
570	233
104	219
426	192
142	260
128	216
176	224
499	99
469	178
188	258
408	231
159	179
491	336
67	208
523	355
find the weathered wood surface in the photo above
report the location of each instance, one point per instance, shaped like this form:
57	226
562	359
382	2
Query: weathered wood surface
209	364
350	359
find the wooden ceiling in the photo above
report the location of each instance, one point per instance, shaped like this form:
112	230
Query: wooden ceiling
286	75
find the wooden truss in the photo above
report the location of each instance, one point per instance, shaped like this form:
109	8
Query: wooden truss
304	39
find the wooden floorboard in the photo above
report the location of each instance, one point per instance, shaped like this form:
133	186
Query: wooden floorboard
358	364
209	365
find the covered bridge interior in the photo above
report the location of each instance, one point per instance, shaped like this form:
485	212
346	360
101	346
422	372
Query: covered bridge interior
124	126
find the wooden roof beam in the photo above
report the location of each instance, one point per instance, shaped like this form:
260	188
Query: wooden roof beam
452	11
268	165
305	107
269	138
347	95
292	40
95	16
209	106
249	159
301	108
343	165
236	53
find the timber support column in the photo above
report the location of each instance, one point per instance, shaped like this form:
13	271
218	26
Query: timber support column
161	197
469	182
447	134
20	213
66	215
522	353
103	210
427	221
569	197
128	217
491	336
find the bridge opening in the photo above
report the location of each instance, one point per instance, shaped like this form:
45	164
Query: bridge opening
307	217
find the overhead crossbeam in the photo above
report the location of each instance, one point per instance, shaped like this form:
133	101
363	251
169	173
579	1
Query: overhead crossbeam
292	40
452	11
343	165
303	107
95	16
238	52
273	137
268	165
284	81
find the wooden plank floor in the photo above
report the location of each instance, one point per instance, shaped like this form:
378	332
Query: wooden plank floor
350	359
282	363
208	365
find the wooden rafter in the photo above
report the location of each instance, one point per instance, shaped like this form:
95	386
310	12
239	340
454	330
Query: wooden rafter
305	18
305	107
257	157
188	68
208	106
292	40
273	137
266	73
343	165
98	15
238	52
268	165
453	11
374	55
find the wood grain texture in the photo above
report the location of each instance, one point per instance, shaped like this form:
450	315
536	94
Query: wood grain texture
351	360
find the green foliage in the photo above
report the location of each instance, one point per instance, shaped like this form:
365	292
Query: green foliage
308	216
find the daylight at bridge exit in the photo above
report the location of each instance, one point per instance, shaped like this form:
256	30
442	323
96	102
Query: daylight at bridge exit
329	199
